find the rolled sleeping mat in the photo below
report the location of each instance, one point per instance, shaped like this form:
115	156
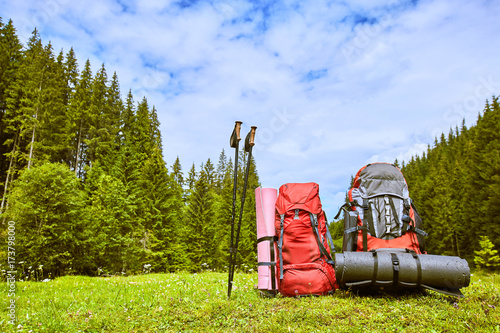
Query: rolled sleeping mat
398	268
265	200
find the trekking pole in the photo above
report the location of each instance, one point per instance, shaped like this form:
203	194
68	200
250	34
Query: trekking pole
249	143
234	142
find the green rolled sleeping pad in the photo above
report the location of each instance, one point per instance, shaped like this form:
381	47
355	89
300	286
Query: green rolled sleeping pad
401	269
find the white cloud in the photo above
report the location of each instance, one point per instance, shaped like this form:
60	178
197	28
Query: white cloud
330	85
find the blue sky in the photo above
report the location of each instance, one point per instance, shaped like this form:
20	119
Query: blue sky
331	85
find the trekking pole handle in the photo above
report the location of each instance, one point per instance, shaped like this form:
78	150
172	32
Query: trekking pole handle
237	129
250	139
235	136
252	136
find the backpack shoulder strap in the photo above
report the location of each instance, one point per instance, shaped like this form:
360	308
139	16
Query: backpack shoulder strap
322	249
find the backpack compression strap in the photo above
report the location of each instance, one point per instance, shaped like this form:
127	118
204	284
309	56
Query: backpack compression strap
408	227
363	227
419	266
322	250
329	237
367	221
272	263
280	244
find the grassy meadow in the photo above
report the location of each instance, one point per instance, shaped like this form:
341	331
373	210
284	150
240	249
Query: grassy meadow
198	303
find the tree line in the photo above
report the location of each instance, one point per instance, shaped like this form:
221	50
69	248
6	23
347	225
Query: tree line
456	187
84	179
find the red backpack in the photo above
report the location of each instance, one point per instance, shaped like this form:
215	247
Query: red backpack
305	260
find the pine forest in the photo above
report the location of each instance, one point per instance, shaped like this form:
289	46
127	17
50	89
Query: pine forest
84	179
456	187
83	176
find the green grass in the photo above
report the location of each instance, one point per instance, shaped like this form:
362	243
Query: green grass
198	303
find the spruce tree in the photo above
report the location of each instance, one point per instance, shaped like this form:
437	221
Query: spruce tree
221	170
47	205
80	119
100	140
113	123
223	219
199	220
24	102
53	135
10	54
177	172
487	257
109	217
191	180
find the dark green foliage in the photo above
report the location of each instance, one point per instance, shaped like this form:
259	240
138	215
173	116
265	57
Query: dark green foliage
199	220
487	257
223	215
10	54
456	186
337	232
47	206
82	174
109	212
